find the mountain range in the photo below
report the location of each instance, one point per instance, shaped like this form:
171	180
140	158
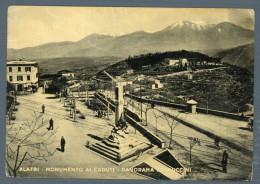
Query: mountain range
184	35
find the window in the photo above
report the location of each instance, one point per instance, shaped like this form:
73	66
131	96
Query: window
19	69
28	77
19	78
10	69
10	78
28	69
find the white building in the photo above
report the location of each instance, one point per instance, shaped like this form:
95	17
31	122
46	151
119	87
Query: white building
22	74
66	73
157	84
184	61
177	62
174	62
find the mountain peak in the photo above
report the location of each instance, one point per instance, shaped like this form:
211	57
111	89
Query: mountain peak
195	25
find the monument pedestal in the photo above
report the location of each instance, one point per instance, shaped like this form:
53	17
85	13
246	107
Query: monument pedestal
120	147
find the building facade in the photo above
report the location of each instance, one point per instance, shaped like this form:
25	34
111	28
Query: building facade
22	74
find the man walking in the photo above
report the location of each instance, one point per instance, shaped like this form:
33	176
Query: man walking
43	108
224	161
51	124
62	144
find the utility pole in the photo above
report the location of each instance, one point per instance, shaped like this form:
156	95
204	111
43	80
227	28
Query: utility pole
107	104
141	102
71	106
74	109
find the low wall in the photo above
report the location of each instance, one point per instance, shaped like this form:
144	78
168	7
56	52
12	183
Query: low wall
155	102
134	120
184	107
222	113
148	134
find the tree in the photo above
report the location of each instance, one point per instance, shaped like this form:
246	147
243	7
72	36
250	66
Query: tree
193	142
172	123
157	116
28	142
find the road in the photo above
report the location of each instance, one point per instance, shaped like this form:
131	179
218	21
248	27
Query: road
76	134
205	154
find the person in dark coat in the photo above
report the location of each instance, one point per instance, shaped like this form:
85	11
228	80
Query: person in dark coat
62	144
43	108
224	161
51	124
217	142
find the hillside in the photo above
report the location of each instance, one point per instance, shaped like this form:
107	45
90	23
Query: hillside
208	39
82	66
155	60
242	56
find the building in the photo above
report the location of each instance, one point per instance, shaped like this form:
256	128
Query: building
189	76
130	71
66	73
184	62
23	74
146	67
157	85
173	62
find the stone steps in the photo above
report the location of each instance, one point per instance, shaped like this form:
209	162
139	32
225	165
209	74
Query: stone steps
120	154
106	149
105	153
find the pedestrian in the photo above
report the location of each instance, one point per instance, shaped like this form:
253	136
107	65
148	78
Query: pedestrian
43	108
51	124
62	144
224	161
217	142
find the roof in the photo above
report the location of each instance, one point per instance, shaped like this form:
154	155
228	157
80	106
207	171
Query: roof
192	102
65	71
49	76
21	62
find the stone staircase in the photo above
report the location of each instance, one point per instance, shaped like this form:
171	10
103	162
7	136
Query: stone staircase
122	150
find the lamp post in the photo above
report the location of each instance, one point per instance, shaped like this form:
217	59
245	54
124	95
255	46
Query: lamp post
141	102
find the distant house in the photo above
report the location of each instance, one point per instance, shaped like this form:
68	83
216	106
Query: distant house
146	67
66	73
177	62
131	71
183	61
157	85
22	74
173	62
140	77
189	76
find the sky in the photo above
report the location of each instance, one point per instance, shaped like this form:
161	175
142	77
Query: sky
30	26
